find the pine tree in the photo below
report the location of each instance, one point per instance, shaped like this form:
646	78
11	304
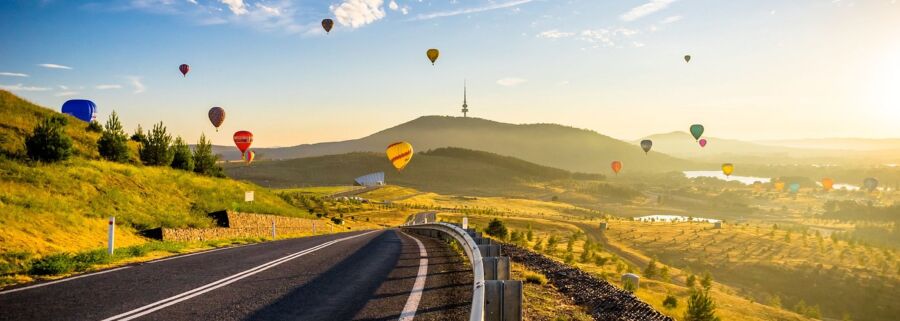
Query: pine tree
182	158
113	143
204	160
706	281
156	149
49	142
650	271
700	307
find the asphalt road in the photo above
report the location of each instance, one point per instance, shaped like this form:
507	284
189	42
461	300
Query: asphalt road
349	276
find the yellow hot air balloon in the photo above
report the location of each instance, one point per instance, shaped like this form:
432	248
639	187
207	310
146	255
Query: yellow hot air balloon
779	186
432	55
399	154
727	169
827	184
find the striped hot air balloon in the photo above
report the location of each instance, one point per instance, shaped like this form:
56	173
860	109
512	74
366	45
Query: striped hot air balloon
399	153
251	155
216	116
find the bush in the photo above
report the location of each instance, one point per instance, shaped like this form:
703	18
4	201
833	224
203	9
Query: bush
535	278
496	229
156	148
700	307
113	144
94	126
54	264
204	160
182	158
139	135
48	143
337	221
670	302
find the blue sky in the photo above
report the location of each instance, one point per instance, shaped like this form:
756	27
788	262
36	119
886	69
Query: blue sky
760	69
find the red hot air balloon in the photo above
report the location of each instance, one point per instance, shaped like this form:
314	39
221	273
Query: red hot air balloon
242	140
184	68
702	142
616	166
216	116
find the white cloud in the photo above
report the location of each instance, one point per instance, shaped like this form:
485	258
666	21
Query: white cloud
236	6
404	10
55	66
269	10
63	87
645	9
137	84
358	13
105	87
563	83
671	19
192	1
13	74
492	6
393	5
66	93
555	34
511	81
606	37
20	87
637	44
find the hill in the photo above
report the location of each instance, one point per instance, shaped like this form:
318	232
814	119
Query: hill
545	144
448	170
47	208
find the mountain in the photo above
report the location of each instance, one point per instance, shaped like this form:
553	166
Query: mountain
545	144
443	170
857	144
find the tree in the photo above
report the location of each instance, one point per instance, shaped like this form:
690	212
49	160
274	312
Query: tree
496	229
700	307
139	135
650	271
48	143
94	126
204	160
156	149
706	281
664	273
670	302
182	158
539	245
113	143
530	233
629	285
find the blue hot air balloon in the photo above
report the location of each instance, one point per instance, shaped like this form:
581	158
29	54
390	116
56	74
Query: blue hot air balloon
82	109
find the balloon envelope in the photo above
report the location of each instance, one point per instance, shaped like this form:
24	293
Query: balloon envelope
646	145
242	140
794	188
779	186
616	166
696	131
727	169
870	183
702	142
82	109
687	58
399	153
251	155
327	24
184	68
432	55
827	183
216	116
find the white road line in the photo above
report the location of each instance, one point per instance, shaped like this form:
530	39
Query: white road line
158	305
62	280
412	304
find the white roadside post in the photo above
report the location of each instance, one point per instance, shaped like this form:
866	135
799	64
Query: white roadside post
112	235
273	230
314	228
465	223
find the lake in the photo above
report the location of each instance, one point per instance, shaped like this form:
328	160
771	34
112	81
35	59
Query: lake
746	180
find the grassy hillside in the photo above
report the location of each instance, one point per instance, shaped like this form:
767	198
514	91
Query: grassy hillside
545	144
448	170
47	208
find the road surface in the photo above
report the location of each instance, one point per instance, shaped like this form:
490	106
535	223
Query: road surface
377	275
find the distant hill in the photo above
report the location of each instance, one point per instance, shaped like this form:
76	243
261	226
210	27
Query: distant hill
859	144
444	170
545	144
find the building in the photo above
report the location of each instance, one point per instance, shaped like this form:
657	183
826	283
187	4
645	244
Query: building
373	179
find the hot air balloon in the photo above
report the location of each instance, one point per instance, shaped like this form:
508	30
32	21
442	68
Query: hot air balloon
702	142
242	140
82	109
327	24
696	131
727	169
616	166
794	188
646	144
827	184
779	186
184	68
216	116
250	156
399	153
870	183
432	55
687	58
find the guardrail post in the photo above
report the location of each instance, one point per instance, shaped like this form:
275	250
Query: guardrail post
496	268
465	223
112	235
489	250
502	300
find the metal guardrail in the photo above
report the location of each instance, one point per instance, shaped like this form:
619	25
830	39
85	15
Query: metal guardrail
474	254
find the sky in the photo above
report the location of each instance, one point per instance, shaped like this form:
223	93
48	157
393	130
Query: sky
760	69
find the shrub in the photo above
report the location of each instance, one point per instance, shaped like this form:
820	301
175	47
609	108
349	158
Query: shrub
139	135
113	144
182	158
54	264
337	221
156	149
700	307
496	229
204	160
629	286
670	302
94	126
48	143
535	278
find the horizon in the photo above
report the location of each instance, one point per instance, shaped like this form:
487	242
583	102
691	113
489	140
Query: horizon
760	71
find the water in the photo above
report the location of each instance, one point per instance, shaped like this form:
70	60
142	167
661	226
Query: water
746	180
672	218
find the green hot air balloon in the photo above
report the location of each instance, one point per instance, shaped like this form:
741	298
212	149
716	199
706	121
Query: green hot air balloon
646	144
870	183
697	131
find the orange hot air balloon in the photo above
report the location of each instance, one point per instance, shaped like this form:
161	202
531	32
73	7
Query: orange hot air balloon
251	155
399	153
779	186
616	166
432	55
242	140
727	169
827	183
